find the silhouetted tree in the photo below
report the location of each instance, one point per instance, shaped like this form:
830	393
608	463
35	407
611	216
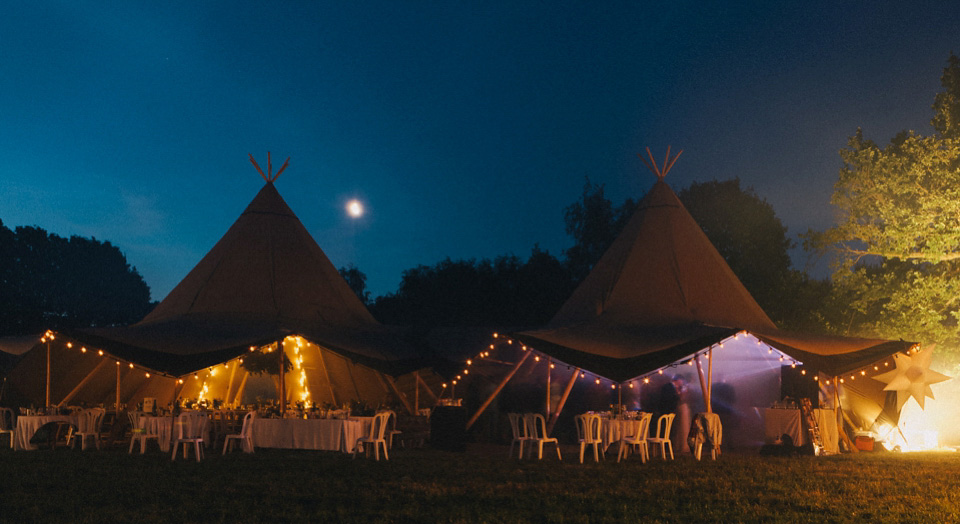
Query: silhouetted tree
503	291
594	223
357	280
742	226
51	282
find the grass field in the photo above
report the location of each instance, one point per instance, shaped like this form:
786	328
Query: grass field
480	485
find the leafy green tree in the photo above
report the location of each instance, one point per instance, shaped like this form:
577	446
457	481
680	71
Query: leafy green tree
51	282
897	239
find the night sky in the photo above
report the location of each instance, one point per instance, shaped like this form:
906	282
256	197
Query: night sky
465	128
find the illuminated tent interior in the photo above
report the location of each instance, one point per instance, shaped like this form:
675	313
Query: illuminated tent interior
266	281
663	297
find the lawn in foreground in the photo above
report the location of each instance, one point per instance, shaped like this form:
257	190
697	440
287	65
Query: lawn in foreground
481	485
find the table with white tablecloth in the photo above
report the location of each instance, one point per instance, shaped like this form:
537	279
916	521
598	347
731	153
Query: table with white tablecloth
298	433
165	428
614	429
27	425
780	421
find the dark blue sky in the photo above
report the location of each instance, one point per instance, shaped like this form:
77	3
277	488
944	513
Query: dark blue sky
465	127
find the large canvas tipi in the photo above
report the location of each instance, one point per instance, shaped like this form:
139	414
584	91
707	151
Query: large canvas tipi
662	298
265	284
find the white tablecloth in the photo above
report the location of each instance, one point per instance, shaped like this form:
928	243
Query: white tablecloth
779	421
162	427
27	425
298	433
165	426
614	429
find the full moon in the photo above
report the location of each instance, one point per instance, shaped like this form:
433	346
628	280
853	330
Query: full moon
355	208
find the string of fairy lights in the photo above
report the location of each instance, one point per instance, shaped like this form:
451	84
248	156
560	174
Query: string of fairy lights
205	375
500	341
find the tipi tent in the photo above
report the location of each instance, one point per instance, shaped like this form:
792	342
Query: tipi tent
265	282
663	296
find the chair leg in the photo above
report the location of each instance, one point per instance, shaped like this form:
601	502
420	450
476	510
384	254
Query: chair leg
559	456
583	445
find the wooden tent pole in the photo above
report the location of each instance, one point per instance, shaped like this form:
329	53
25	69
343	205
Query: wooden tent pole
547	411
416	392
233	374
47	403
620	398
426	387
283	380
243	385
703	384
82	383
563	400
118	391
350	365
326	375
496	392
710	380
396	391
840	431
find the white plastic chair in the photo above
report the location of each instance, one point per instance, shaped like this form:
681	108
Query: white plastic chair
245	436
664	423
392	428
6	423
191	426
138	431
537	430
519	428
376	437
88	425
588	434
638	440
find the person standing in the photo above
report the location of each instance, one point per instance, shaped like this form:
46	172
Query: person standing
673	400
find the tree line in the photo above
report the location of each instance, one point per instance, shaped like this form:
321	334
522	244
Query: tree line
51	282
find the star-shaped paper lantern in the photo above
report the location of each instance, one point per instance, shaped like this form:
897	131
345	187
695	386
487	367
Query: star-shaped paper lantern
912	378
